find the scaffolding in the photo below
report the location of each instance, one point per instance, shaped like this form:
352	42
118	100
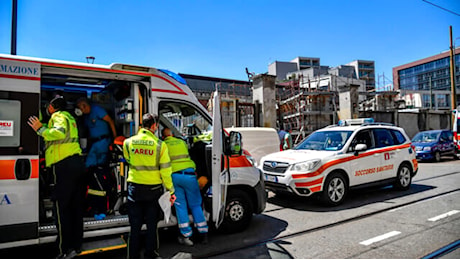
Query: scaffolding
302	109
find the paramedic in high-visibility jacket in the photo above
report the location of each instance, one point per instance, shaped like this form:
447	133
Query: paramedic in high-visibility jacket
187	190
63	156
149	170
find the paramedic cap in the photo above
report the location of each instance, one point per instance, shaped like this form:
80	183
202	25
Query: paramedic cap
58	102
149	119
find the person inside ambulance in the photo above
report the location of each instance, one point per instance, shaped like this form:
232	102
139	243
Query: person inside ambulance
101	129
63	156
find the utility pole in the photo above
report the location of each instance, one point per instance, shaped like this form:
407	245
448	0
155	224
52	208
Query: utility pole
14	19
431	93
452	73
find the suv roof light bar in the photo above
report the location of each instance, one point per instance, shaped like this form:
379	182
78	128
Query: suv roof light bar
355	121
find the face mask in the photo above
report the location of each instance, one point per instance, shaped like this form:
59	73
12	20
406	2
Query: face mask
78	112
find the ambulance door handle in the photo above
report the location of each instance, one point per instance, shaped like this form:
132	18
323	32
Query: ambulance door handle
22	169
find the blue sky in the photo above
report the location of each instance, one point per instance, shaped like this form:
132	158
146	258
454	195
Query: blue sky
221	38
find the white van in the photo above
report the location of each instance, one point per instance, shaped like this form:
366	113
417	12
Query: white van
126	92
258	141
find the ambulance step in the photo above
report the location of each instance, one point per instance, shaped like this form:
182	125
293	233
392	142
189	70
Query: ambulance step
98	246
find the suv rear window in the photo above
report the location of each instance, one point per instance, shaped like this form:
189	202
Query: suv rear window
399	138
383	138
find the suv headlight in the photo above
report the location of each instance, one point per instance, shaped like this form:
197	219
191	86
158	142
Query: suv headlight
427	148
305	166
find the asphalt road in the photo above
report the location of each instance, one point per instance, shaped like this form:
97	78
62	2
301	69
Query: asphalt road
372	223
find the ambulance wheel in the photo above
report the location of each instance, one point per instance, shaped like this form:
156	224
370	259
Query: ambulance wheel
238	212
403	178
335	189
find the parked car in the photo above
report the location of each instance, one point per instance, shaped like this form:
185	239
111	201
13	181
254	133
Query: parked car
332	160
432	144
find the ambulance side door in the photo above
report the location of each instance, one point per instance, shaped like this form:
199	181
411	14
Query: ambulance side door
19	152
363	166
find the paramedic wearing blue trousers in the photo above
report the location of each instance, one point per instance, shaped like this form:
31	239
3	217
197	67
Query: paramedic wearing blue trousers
101	130
62	155
149	171
186	188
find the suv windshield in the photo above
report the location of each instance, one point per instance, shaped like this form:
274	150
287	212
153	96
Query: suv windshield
325	141
426	137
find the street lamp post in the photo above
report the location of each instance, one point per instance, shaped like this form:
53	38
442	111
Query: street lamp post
14	22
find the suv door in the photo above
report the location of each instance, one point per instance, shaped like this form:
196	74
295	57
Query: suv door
363	165
390	152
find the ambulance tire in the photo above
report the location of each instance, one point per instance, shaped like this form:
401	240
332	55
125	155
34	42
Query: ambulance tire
335	189
238	212
404	177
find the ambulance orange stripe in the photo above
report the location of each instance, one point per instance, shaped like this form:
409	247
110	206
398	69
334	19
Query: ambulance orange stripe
18	77
334	162
239	161
7	172
310	183
414	161
316	189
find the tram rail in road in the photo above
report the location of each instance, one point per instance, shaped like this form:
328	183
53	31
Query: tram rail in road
279	239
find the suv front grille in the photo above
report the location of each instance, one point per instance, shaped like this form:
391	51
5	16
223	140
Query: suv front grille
276	167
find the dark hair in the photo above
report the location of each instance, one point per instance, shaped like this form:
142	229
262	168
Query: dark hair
148	120
58	103
83	99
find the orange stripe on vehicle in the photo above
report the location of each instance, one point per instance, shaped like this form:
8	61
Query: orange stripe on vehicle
7	169
338	161
315	189
415	163
18	77
310	183
239	161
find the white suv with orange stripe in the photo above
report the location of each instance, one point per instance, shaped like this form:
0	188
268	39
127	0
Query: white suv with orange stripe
352	154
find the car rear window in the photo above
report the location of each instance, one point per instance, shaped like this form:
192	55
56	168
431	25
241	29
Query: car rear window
399	137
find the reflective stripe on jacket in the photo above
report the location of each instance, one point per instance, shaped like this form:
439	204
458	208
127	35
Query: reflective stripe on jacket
148	160
178	153
61	137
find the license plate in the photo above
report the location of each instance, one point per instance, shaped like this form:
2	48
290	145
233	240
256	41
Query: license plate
271	178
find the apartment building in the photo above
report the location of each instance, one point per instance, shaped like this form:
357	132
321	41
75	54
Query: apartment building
419	80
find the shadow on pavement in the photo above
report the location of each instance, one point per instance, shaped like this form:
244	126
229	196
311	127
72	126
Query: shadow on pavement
354	199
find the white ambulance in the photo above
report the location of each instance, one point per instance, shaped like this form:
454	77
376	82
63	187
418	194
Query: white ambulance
236	189
330	161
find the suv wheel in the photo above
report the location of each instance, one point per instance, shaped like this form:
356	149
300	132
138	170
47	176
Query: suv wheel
403	178
335	189
238	212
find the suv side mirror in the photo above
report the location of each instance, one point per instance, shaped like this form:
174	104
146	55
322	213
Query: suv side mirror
360	148
233	144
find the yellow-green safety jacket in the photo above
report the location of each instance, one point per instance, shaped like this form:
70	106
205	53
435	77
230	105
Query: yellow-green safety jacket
178	153
148	160
61	137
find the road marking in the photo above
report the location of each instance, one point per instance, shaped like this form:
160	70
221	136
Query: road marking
416	203
445	215
380	238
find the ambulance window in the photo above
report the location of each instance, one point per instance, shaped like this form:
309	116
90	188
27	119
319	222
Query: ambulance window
383	138
362	137
184	119
399	138
10	123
